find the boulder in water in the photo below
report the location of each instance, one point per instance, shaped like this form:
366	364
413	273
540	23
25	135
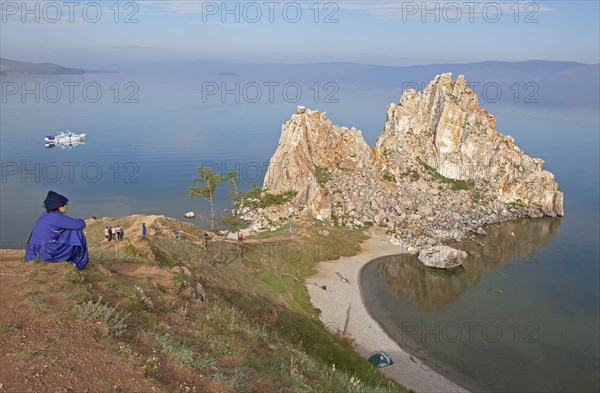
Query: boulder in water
442	257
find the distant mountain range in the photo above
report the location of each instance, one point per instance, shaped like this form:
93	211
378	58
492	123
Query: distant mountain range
23	67
554	83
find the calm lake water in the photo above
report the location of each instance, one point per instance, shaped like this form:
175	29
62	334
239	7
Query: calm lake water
523	313
140	157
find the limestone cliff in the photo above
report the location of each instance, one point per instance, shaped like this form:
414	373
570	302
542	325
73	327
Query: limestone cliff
445	127
310	148
438	171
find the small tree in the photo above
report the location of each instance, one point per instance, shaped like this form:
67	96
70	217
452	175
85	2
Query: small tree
244	203
208	190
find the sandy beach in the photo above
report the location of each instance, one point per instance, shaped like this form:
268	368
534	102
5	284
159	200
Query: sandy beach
367	334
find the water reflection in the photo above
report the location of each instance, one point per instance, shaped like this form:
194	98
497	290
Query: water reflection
433	289
63	145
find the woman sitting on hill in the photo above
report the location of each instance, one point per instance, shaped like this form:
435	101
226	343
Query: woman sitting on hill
57	237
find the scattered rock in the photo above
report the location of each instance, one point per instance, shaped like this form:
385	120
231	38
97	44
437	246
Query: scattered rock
425	211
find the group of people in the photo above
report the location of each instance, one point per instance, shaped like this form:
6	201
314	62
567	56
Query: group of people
57	237
116	233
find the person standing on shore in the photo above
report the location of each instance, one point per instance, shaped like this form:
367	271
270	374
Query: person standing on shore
57	237
121	232
144	229
110	232
106	233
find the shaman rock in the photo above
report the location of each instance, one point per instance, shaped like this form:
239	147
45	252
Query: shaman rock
439	170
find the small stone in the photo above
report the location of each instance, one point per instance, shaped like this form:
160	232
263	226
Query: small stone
425	210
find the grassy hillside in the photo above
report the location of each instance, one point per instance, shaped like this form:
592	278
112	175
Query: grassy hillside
162	308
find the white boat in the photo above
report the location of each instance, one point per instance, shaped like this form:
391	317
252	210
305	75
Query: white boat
66	137
63	145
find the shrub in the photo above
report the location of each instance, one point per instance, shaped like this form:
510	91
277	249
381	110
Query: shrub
322	175
102	312
131	251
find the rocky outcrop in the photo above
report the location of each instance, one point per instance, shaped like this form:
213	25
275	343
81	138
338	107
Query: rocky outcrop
438	171
311	149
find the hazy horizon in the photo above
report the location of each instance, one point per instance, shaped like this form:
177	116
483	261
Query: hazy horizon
221	61
398	33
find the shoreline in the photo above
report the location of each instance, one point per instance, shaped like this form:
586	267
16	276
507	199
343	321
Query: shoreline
368	336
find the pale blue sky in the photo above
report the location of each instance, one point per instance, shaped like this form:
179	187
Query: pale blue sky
375	32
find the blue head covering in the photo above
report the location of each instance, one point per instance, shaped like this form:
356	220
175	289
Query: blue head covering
54	200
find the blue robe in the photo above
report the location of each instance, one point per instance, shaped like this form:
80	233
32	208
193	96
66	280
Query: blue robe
56	238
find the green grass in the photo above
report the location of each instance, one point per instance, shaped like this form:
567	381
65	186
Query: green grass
412	174
131	250
322	175
181	354
455	185
281	231
234	380
257	322
103	312
297	324
33	298
10	327
519	204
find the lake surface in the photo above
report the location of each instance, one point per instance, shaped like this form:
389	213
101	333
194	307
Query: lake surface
520	316
523	313
140	157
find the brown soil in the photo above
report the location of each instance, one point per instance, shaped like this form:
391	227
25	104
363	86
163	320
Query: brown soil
45	348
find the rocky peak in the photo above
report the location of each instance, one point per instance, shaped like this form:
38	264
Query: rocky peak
444	127
310	148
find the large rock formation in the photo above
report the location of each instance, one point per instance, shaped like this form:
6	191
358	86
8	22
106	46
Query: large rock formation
438	171
309	148
444	127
